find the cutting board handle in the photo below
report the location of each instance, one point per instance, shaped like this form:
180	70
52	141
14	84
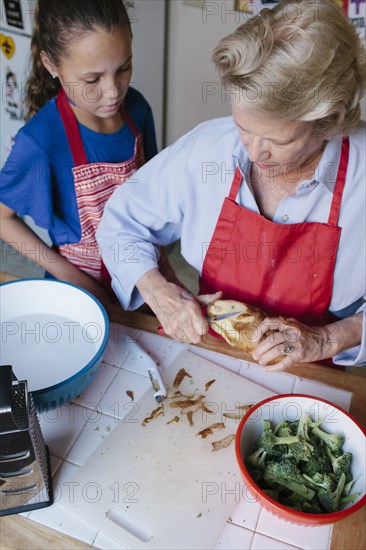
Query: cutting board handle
127	523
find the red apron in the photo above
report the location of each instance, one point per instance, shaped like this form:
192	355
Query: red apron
94	184
284	269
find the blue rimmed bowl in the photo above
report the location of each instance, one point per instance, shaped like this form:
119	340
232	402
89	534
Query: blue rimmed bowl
54	335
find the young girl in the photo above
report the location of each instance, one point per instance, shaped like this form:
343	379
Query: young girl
87	133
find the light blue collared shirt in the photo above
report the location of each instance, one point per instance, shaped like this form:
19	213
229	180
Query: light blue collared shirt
179	195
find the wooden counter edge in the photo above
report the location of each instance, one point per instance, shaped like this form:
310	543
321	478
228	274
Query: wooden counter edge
19	532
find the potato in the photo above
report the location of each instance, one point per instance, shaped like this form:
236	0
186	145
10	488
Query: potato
240	329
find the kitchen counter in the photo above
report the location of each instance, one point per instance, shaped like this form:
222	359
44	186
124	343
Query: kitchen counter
18	531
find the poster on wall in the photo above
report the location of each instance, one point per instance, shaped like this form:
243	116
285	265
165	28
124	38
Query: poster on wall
354	10
244	6
13	13
357	15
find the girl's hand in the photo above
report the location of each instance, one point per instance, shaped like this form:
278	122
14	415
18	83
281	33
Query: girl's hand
14	231
292	342
178	311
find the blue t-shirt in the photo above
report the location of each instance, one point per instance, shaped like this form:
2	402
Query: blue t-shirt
37	180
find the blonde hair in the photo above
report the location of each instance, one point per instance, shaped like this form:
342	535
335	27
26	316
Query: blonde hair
301	60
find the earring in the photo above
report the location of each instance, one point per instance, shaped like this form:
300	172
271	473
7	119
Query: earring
54	76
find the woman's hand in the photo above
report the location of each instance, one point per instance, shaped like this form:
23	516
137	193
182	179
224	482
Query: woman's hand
293	342
178	311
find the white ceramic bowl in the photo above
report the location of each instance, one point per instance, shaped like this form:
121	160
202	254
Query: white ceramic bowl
53	334
291	407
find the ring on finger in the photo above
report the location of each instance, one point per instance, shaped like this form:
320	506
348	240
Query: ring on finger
185	338
288	348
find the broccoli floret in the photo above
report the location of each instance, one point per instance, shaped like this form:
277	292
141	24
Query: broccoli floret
304	426
325	481
283	429
293	500
268	439
340	463
348	486
286	472
333	441
348	499
294	424
277	452
257	459
312	507
302	466
329	501
302	450
318	463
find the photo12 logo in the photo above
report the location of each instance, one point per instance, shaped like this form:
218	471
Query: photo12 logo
50	332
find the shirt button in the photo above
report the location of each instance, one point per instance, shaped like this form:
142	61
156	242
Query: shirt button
284	218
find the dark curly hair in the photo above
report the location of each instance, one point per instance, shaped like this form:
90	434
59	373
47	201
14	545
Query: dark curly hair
56	22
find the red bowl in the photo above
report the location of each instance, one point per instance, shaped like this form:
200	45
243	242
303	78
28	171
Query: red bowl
291	407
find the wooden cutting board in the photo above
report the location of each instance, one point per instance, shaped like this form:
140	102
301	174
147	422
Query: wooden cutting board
160	485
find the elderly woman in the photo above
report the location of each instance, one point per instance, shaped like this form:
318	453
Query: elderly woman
269	204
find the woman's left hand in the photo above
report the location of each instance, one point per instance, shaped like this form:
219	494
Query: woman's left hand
288	341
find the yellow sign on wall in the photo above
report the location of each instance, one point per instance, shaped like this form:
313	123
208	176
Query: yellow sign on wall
7	46
244	6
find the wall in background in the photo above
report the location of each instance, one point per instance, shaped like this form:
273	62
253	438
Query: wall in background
195	27
148	20
194	93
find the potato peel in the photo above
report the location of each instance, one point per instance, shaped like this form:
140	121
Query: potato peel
188	405
222	443
159	411
174	419
210	429
179	377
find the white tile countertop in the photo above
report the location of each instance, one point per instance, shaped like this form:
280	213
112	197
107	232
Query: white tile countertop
74	431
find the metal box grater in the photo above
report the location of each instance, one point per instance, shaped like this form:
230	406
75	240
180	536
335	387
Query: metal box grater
25	475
